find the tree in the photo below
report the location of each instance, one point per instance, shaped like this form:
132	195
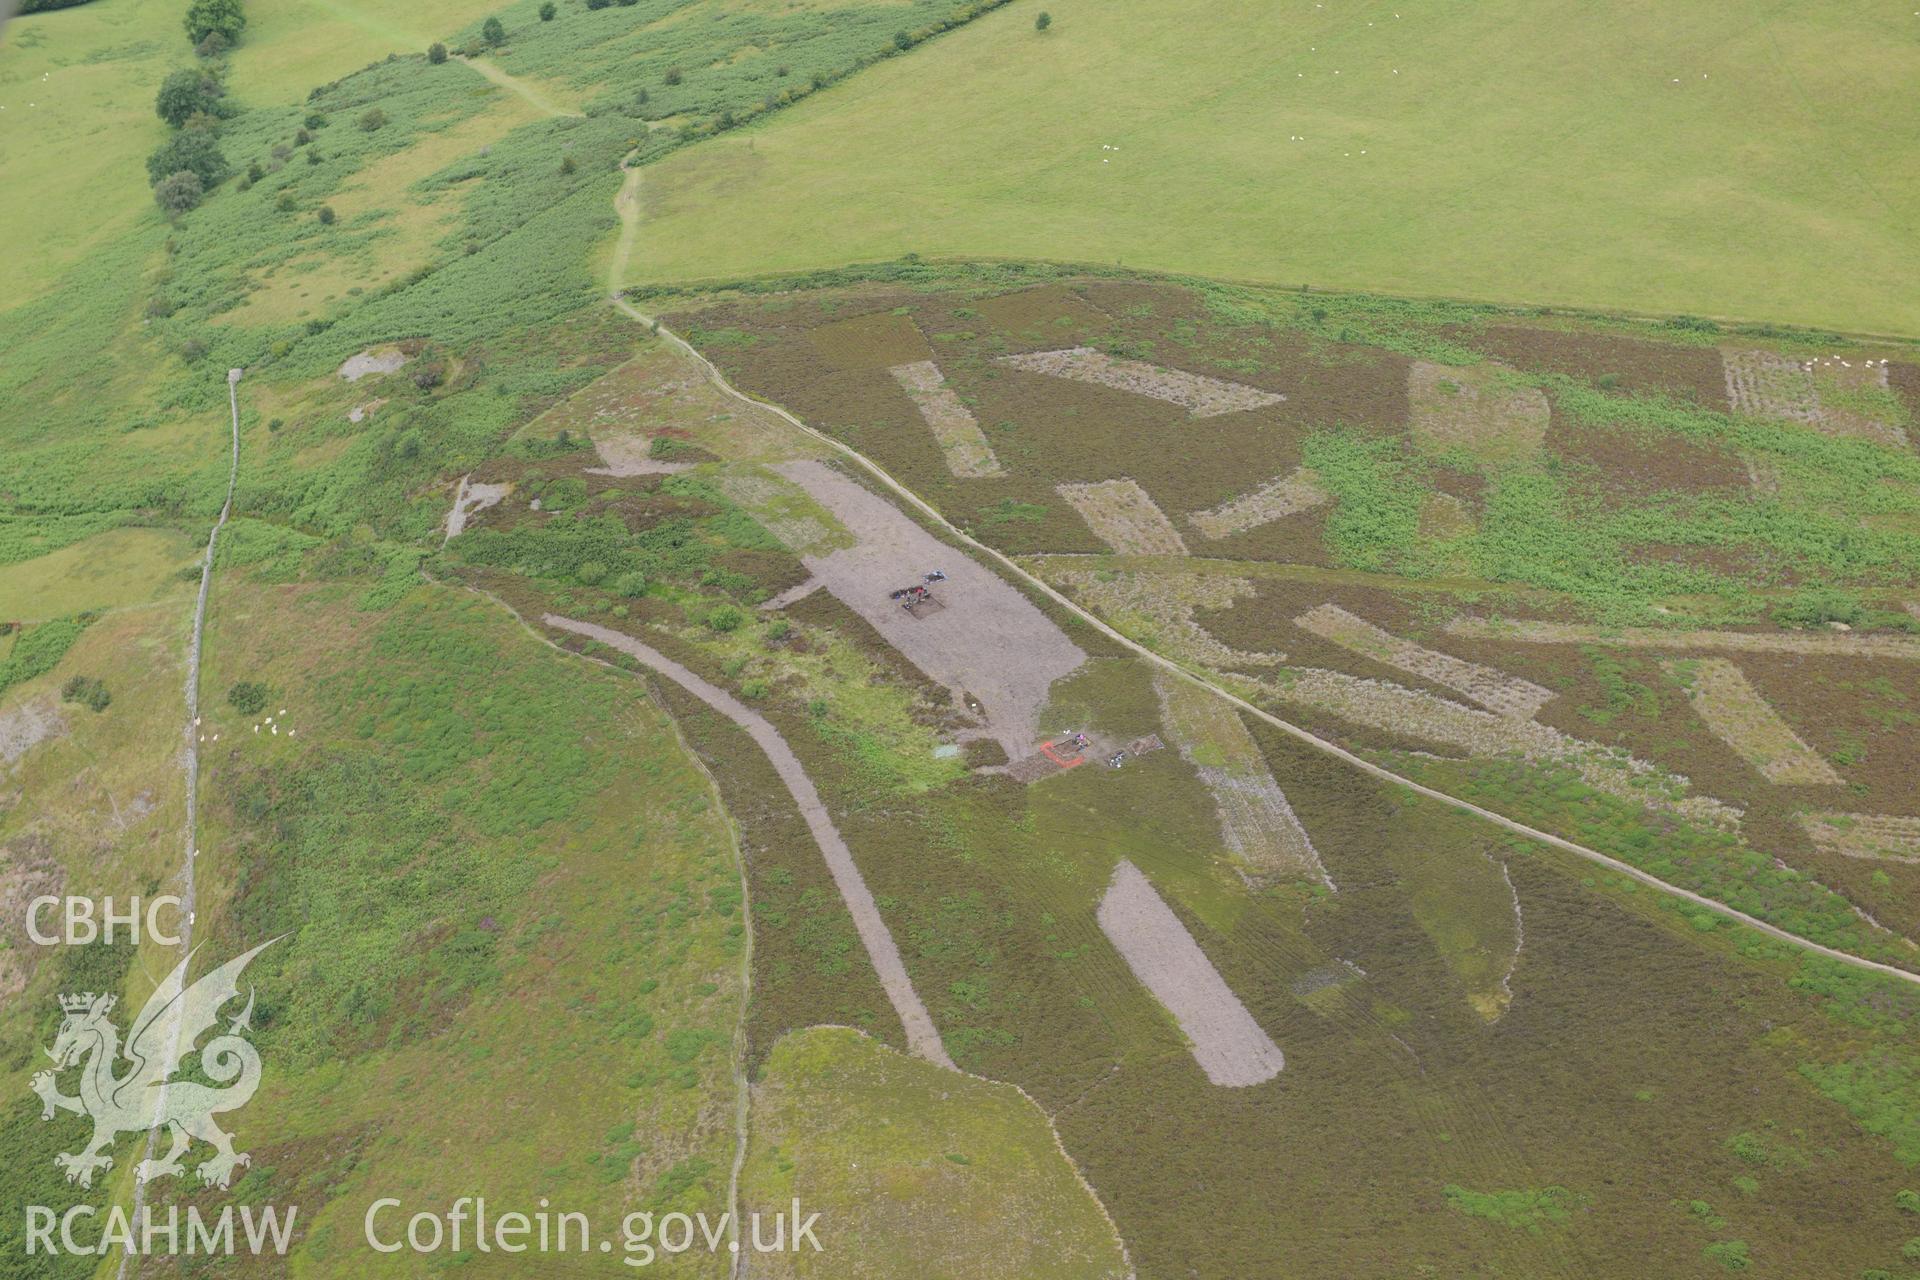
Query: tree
183	93
493	33
177	193
194	151
436	53
547	11
1042	22
205	17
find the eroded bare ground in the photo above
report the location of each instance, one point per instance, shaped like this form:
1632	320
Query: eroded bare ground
1229	1045
991	642
1199	395
470	498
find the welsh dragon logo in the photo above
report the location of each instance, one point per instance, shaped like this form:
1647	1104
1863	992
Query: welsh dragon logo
146	1097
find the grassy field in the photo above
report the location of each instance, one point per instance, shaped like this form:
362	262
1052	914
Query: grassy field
1733	160
293	45
77	86
902	1159
124	566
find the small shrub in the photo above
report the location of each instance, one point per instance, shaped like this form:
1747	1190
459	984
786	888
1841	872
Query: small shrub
673	75
436	53
547	11
301	137
374	118
1042	22
630	585
725	618
567	164
87	691
248	697
314	156
285	203
493	32
315	120
902	40
326	215
178	193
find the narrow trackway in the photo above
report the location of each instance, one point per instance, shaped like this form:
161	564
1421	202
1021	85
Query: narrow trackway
515	85
627	205
192	763
922	1037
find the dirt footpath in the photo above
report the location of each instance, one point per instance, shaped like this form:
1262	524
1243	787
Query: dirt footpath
990	641
922	1037
1227	1043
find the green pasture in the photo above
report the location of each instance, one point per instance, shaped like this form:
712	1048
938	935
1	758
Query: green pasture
1740	159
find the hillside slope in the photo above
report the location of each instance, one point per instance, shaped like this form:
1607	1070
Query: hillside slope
1733	160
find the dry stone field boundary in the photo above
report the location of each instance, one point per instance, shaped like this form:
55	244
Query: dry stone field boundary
962	443
1494	690
1199	395
1275	500
1125	517
1228	1044
1735	713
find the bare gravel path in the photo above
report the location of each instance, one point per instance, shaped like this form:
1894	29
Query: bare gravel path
1227	1043
922	1037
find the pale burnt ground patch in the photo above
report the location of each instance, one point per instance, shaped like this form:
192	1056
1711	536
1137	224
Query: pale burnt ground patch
1495	690
1737	715
1125	517
962	444
1200	395
1277	499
